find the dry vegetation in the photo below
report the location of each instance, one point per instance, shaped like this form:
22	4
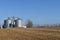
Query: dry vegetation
30	34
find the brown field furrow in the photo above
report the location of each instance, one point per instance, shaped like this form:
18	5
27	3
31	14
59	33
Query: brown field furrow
29	34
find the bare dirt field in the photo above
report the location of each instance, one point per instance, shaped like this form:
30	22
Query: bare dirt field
30	34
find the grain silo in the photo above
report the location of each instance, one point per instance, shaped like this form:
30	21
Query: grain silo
18	22
7	23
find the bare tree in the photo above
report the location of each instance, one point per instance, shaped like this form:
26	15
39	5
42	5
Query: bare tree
29	24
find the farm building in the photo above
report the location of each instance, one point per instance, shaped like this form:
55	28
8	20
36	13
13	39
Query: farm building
12	22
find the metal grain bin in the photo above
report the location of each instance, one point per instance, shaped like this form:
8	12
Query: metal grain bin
7	23
18	22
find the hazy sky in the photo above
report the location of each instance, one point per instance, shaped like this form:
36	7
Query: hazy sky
39	11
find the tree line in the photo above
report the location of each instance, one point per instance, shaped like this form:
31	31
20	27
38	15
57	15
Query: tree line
29	24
